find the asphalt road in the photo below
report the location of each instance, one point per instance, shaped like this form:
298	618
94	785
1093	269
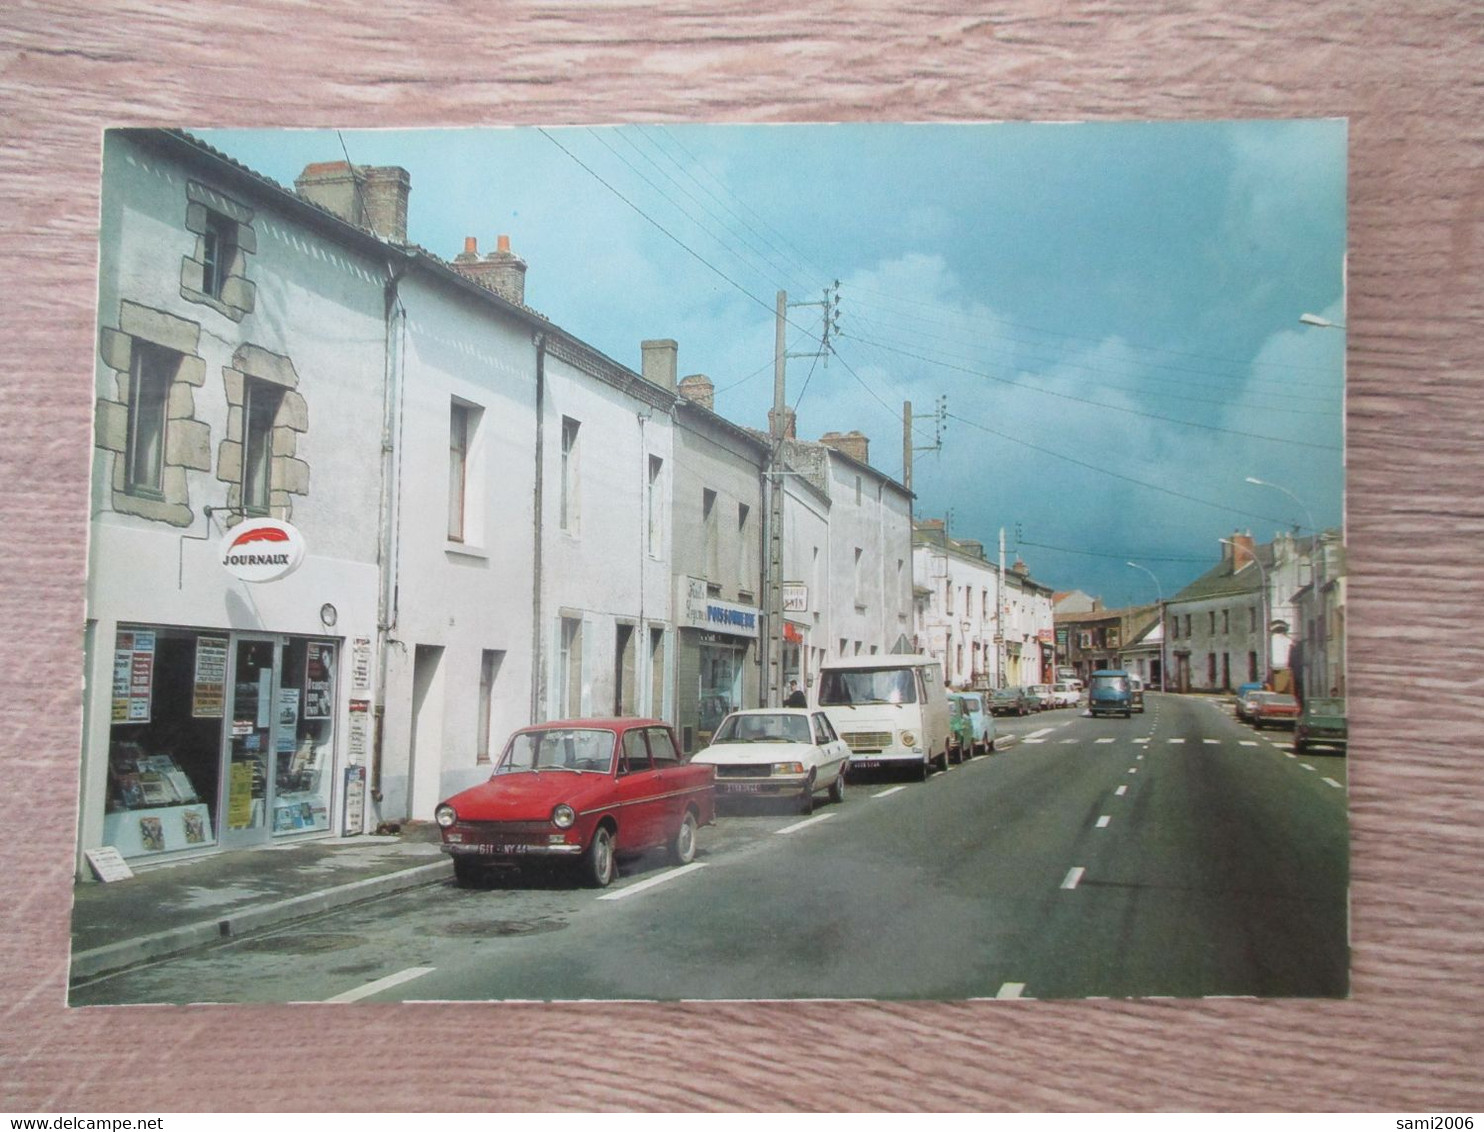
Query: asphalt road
1174	853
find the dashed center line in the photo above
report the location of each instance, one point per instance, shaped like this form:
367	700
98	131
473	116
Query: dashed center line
1010	990
1038	734
1306	766
805	824
1247	742
1333	783
891	790
1122	790
1105	740
376	987
1103	821
1074	877
663	878
1212	742
1133	770
1177	740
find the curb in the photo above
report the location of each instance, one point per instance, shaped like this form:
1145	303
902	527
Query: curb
115	957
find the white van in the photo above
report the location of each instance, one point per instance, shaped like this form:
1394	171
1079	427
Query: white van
892	711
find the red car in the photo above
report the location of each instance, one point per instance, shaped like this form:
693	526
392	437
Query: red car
582	790
1272	709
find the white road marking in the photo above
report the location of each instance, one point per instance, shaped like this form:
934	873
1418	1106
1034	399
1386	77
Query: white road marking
805	824
1103	821
1306	766
1121	791
888	791
1177	740
1064	742
1290	754
1033	740
663	878
1105	740
1333	783
1247	742
1144	740
1011	990
1043	731
1133	770
1074	877
1139	757
368	989
1212	742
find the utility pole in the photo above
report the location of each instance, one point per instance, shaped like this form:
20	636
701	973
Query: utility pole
999	636
939	417
778	433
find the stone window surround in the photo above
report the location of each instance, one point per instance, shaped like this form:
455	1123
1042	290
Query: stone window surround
238	294
187	440
288	475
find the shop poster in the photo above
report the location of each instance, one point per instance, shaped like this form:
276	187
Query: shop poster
133	675
239	796
318	689
209	695
288	720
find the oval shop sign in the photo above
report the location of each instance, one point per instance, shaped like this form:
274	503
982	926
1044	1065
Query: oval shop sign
263	550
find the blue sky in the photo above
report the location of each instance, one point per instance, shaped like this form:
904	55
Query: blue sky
1110	309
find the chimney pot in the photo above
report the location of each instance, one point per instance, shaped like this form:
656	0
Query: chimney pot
659	357
503	245
471	245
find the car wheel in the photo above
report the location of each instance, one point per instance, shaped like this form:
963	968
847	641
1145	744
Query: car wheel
466	874
598	865
943	762
922	770
806	799
683	847
1300	746
837	788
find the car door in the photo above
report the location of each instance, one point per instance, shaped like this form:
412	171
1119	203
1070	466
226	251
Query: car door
672	777
637	789
832	748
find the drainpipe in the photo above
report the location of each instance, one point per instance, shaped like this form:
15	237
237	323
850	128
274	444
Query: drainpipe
394	316
538	680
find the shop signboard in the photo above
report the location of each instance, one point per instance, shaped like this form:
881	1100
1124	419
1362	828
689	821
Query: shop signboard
795	597
712	614
360	664
262	550
360	731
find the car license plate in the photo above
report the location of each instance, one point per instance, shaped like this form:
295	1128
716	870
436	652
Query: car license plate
866	764
742	787
491	850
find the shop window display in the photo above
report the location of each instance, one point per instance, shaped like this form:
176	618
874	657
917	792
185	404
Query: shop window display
165	740
305	730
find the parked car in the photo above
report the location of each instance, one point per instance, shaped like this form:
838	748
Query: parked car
1136	690
1109	693
586	791
1321	723
1067	694
778	752
1244	700
891	710
1273	709
1008	701
979	715
1041	696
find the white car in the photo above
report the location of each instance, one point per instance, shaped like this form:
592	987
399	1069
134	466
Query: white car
777	752
1067	695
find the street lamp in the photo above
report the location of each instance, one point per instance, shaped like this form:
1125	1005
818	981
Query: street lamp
1267	629
1313	530
1160	595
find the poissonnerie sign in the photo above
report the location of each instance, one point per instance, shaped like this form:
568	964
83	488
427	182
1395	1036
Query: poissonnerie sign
262	550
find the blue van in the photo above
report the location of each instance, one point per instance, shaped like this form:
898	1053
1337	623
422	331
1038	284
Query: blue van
1109	692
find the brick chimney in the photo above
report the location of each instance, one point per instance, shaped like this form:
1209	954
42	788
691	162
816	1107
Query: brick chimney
853	444
502	271
659	365
698	388
368	196
1240	551
790	428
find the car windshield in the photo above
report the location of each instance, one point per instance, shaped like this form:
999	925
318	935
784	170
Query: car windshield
1325	707
763	727
841	687
1110	683
567	748
1007	694
972	704
1277	698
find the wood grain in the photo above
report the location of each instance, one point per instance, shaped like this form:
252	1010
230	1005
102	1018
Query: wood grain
1407	78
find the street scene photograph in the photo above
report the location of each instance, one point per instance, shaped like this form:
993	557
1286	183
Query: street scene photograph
712	563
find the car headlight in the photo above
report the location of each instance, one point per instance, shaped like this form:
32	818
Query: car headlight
909	739
445	815
563	816
788	768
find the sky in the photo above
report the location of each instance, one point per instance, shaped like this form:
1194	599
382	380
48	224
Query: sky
1097	324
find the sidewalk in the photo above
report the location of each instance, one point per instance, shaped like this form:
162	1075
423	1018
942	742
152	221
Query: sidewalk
173	908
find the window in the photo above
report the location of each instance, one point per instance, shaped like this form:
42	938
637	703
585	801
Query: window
857	491
744	557
1252	667
625	671
1252	618
151	373
261	400
1212	614
662	748
655	503
570	509
489	668
569	669
635	758
218	247
1211	670
859	595
458	468
1226	621
709	535
657	672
